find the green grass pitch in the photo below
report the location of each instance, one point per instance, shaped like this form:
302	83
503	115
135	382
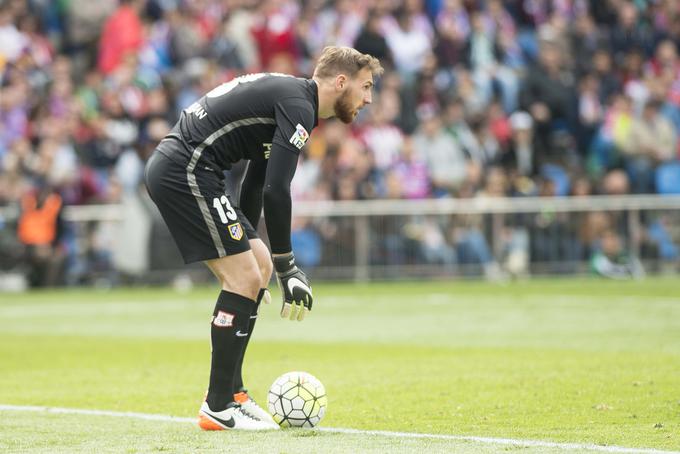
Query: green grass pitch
572	361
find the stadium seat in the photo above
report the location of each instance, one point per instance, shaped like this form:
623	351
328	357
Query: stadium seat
667	178
558	176
659	235
307	247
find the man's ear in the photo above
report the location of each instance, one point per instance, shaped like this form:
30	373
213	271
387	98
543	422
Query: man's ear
340	82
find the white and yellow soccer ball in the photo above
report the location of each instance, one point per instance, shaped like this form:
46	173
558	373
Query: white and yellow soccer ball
297	399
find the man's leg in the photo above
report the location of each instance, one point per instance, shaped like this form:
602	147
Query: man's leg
214	236
241	281
264	263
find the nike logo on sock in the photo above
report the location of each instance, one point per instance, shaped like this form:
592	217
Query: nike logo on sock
240	334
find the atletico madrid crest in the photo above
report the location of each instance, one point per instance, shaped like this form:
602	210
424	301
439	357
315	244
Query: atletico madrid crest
235	231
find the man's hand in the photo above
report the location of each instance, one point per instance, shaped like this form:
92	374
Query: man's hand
295	289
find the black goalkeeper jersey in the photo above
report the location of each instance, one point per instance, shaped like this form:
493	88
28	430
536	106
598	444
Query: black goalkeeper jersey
243	119
264	119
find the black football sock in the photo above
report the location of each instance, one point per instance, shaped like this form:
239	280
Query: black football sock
238	374
228	332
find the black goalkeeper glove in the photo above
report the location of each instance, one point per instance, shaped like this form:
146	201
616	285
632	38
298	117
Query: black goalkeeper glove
295	289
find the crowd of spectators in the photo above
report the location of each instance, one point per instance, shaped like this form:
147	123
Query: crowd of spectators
479	98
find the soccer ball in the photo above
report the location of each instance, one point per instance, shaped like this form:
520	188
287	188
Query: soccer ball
297	399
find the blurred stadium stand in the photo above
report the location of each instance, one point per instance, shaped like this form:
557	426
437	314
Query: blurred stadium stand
545	103
498	238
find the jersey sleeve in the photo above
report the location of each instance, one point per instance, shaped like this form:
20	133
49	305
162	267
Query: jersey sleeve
250	200
294	123
277	200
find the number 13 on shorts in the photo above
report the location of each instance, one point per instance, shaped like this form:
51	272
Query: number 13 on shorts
220	203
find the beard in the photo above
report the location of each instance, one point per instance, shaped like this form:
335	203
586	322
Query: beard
343	108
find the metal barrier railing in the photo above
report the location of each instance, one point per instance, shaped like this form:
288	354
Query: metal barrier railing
364	240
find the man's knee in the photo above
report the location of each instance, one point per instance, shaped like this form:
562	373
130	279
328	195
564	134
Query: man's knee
244	280
251	282
264	261
266	269
246	283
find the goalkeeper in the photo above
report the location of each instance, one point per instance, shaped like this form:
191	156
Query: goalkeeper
264	120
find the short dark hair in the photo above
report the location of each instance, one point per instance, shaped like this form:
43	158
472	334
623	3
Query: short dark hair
345	60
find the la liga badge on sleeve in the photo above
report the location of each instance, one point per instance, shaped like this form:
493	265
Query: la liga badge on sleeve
299	137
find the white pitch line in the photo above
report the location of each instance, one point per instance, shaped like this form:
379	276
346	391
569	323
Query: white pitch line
381	433
82	411
500	441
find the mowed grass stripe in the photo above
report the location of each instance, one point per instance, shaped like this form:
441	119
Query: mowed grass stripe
330	430
611	398
526	361
515	315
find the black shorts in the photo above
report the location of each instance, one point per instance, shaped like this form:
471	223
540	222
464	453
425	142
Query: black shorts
200	215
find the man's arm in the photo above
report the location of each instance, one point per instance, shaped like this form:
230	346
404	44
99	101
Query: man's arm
277	201
295	288
294	120
250	201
